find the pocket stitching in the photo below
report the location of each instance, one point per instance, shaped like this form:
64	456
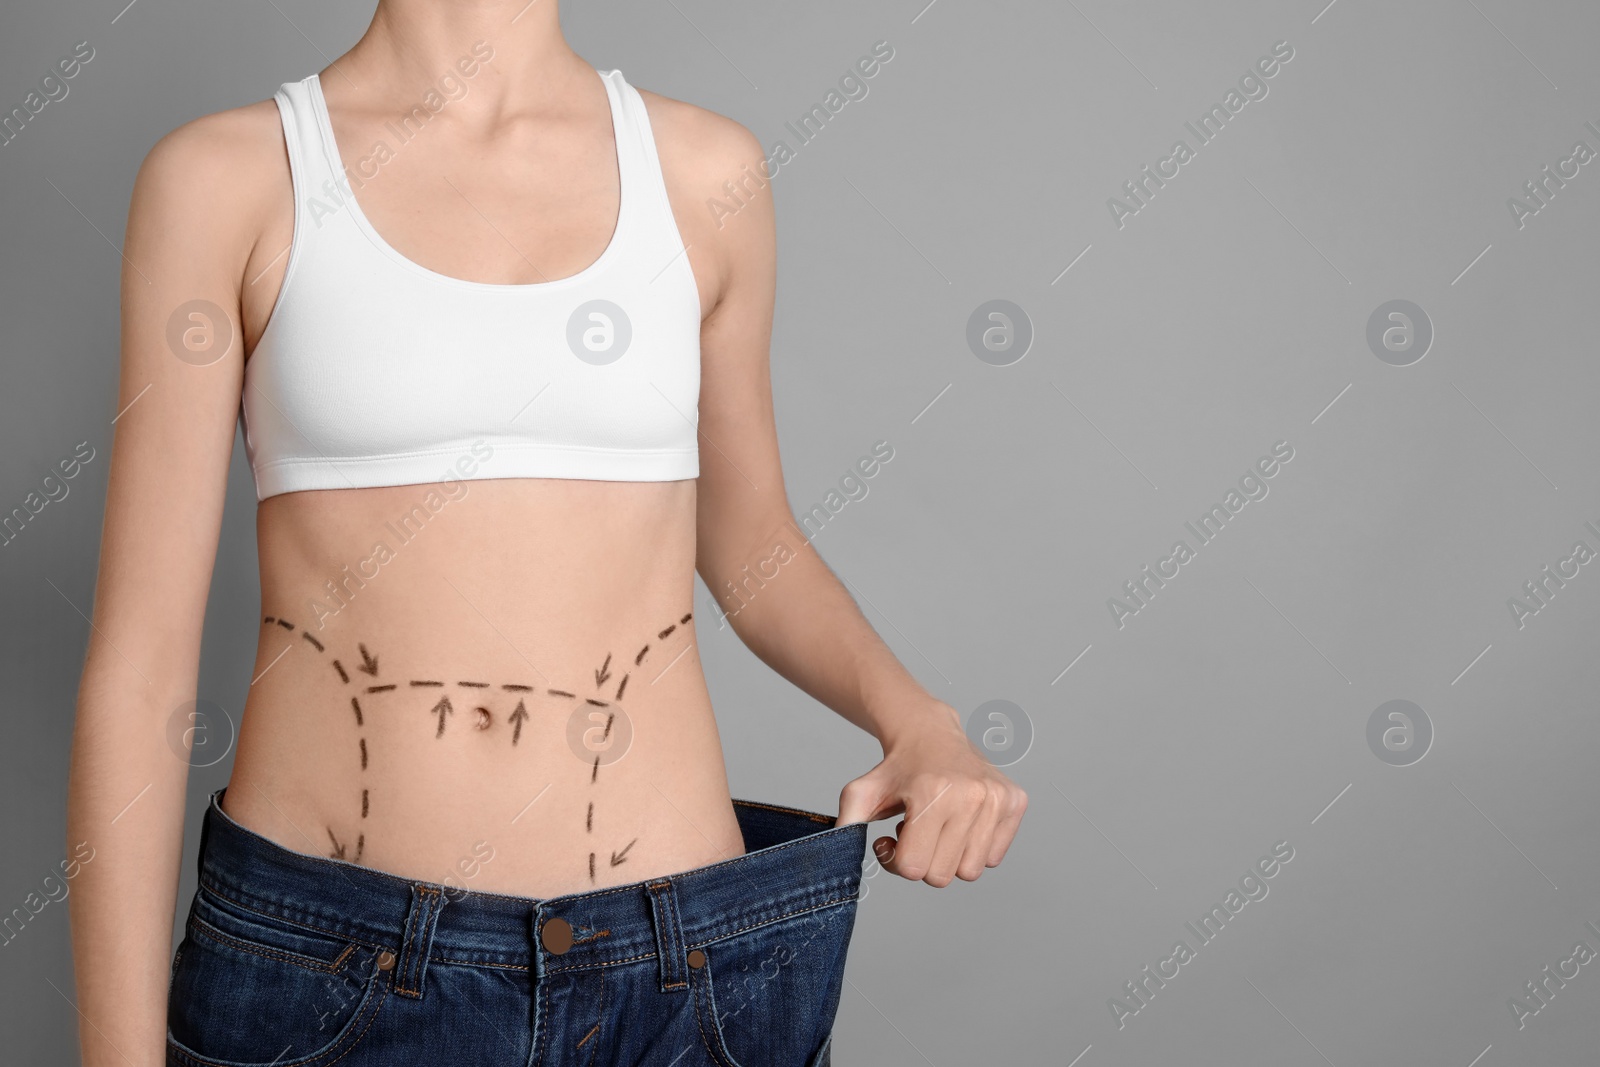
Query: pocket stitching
343	1045
201	928
334	934
718	1049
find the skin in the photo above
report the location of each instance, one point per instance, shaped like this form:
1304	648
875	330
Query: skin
517	581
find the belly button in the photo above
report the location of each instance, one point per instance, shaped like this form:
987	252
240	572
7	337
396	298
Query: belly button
485	720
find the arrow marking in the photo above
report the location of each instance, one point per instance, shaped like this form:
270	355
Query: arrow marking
441	709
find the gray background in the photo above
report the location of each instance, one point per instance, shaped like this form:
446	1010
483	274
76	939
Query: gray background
1229	314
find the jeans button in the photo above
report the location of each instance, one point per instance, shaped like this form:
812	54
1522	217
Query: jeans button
556	935
386	960
697	959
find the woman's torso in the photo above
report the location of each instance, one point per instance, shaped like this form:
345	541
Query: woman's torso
490	682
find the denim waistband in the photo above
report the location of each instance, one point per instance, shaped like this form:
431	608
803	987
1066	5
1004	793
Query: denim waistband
795	861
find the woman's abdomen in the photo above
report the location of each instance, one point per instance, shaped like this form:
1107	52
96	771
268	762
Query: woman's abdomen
488	684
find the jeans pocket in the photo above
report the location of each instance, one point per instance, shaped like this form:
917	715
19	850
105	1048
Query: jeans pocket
767	997
250	990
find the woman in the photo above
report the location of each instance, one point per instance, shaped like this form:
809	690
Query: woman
480	321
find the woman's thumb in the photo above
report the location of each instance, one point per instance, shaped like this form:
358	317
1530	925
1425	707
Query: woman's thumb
860	800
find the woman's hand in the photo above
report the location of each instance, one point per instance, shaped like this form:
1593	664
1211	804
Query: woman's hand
960	811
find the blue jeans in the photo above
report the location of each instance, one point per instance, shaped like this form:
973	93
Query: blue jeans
292	960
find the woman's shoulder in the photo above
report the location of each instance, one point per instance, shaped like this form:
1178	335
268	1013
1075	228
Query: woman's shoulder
714	170
234	160
696	141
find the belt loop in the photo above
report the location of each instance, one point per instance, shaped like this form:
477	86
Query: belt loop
421	920
669	935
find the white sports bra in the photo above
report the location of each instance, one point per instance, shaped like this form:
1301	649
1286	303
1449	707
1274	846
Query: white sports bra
374	370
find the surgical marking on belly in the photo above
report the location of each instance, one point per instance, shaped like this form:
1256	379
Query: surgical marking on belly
368	665
338	852
442	709
483	721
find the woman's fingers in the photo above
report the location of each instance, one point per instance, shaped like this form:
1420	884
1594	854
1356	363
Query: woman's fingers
954	825
1013	805
961	818
950	834
980	839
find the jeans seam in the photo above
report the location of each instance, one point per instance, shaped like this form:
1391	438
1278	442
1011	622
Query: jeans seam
777	919
200	928
315	1060
336	935
813	816
419	931
715	1047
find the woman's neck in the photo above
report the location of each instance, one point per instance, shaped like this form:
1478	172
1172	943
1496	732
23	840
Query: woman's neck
416	41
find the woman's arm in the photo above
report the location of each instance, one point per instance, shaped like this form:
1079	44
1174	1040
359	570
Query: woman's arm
187	243
960	812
